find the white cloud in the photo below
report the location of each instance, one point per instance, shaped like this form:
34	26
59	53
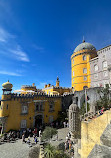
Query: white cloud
38	47
19	54
4	35
9	73
10	46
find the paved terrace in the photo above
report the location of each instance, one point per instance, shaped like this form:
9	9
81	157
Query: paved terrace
21	150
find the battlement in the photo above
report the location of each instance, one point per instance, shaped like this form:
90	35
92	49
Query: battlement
39	94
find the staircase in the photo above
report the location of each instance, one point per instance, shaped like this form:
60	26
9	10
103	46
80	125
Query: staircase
104	149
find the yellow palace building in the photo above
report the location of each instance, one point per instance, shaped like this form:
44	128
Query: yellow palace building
19	111
80	65
32	107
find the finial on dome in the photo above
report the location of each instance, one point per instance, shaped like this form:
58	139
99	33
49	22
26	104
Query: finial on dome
83	39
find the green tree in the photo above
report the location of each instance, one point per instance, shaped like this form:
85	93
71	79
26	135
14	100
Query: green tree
48	133
60	154
49	151
104	100
52	152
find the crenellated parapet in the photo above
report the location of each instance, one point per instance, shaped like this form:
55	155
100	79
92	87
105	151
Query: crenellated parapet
15	95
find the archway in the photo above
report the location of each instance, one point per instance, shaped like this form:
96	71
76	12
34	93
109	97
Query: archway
38	120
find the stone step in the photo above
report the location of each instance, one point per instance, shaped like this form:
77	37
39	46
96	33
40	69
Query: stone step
106	136
100	151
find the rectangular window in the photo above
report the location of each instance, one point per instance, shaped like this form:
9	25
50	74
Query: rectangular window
84	70
105	73
41	107
37	107
73	73
24	109
73	61
104	64
51	106
23	124
50	119
73	80
85	78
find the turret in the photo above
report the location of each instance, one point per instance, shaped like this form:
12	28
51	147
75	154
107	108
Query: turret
7	87
57	82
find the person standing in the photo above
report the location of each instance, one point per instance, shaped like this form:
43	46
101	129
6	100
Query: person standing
40	133
23	137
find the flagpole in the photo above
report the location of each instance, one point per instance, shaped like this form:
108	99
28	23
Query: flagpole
86	99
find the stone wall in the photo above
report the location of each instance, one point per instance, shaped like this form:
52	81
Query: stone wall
91	133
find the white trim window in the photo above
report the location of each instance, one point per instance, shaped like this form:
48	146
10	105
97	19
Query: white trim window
73	61
73	73
23	123
104	64
84	70
85	78
96	67
51	119
24	109
105	73
84	57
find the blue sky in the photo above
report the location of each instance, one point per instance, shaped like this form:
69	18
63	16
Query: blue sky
37	37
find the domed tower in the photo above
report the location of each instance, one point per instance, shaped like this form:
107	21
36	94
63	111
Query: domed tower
7	87
80	66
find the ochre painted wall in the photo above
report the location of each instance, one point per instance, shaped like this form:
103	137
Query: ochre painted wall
14	112
58	90
78	65
91	133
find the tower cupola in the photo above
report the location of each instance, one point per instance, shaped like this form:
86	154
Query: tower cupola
7	87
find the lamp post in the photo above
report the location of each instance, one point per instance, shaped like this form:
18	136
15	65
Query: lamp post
86	99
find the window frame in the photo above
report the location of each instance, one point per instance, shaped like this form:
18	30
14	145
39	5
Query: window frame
84	70
84	57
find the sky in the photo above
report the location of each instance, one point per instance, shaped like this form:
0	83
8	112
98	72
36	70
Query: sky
38	37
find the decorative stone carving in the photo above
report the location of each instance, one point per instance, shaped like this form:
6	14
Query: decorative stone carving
74	120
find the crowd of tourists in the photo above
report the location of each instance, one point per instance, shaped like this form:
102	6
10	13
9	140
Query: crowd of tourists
68	145
22	134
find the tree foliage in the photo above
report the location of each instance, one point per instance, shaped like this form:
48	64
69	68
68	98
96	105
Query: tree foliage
52	152
104	100
48	133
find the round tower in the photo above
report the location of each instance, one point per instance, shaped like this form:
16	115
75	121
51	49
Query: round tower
80	65
7	87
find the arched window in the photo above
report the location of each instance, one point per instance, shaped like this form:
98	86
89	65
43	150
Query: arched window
104	64
84	70
96	67
84	57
